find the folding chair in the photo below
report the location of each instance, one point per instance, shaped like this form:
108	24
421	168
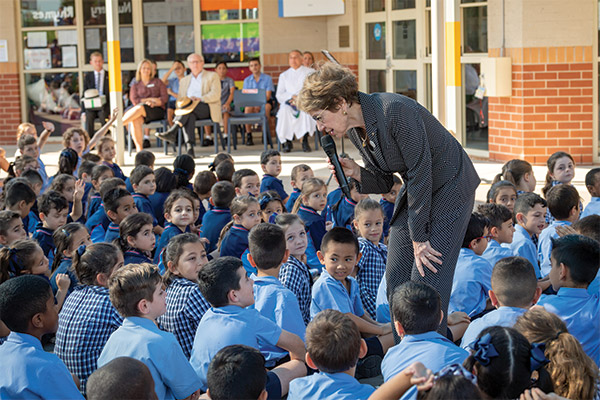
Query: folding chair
160	125
249	98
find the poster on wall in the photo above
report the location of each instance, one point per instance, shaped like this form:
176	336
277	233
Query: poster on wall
158	40
37	39
66	38
92	38
69	56
126	38
37	59
3	50
184	39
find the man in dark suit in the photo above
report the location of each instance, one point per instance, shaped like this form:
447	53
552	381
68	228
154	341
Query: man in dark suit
97	79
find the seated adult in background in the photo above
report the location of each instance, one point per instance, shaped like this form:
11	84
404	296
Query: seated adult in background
97	79
149	97
173	86
227	89
290	120
308	60
200	92
258	80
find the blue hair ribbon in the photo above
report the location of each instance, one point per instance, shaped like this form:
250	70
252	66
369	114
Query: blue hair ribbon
181	171
65	232
537	357
14	267
81	250
457	370
484	349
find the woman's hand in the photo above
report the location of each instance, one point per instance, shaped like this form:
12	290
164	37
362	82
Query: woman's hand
424	255
350	167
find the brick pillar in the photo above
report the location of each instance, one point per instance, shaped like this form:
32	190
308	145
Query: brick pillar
10	110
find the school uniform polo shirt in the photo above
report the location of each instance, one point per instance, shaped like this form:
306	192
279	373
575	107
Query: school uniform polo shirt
545	245
269	182
224	326
97	225
523	246
471	283
169	233
292	200
94	203
503	316
112	233
143	204
44	238
117	171
329	293
314	223
388	212
235	241
344	214
141	339
158	206
64	268
212	223
592	208
321	386
382	304
135	256
494	252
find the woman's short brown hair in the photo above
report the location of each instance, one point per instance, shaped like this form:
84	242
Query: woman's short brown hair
325	88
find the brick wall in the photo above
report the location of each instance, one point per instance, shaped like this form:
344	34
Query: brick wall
550	108
10	109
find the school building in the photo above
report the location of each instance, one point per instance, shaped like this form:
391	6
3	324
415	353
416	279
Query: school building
510	78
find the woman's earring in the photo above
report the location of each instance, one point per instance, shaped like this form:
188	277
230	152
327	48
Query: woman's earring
345	112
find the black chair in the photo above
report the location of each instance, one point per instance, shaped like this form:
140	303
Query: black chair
160	125
249	98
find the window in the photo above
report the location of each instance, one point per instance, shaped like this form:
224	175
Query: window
375	5
35	13
376	81
376	41
405	83
405	39
474	22
168	29
94	21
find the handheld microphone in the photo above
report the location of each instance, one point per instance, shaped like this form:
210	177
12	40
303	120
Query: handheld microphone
328	145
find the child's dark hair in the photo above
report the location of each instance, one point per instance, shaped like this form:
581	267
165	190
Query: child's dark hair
266	243
236	372
561	200
17	191
551	163
176	195
367	204
297	169
67	161
339	235
333	341
21	162
220	157
183	169
204	182
267	197
86	167
526	202
513	171
145	157
63	239
97	258
580	254
52	200
266	156
174	250
102	142
6	217
238	175
225	171
139	173
112	197
475	229
417	306
93	157
32	176
493	192
507	374
497	214
99	170
17	257
451	386
589	226
26	140
21	298
217	278
60	181
124	378
164	180
239	205
514	282
128	286
287	219
131	226
592	176
110	184
310	186
222	194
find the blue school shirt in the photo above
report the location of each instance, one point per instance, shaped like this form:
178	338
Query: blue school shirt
97	225
314	223
471	283
388	213
269	182
503	316
343	215
64	268
143	204
94	203
135	256
329	293
86	196
185	308
581	313
213	222
26	224
224	326
382	303
494	252
594	287
128	185
141	339
264	82
42	170
44	237
158	206
292	200
86	321
334	196
115	169
323	385
523	246
296	276
32	221
545	245
235	242
169	233
112	233
370	271
592	208
277	303
30	372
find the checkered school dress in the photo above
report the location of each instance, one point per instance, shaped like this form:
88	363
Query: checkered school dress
295	275
371	268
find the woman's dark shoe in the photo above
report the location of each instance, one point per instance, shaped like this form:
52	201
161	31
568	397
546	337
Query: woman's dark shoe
305	146
249	141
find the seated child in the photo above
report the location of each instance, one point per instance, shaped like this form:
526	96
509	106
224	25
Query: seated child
122	378
273	300
311	202
107	152
136	239
226	286
118	203
270	206
138	295
143	157
165	184
100	173
342	212
590	227
179	213
67	239
574	266
520	174
530	215
473	273
22	164
514	291
416	307
334	346
11	228
184	167
98	223
19	198
563	203
144	186
246	182
561	171
503	193
369	221
184	257
270	162
337	290
592	183
28	310
501	231
224	171
222	193
28	145
294	273
35	181
53	209
203	184
233	240
85	175
87	318
73	191
388	202
237	372
300	173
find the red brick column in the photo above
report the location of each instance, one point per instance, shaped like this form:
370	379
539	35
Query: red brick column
10	110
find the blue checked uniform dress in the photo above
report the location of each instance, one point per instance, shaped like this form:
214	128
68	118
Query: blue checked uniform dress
185	308
85	323
371	268
295	275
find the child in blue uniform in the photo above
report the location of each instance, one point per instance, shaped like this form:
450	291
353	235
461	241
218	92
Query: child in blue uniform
300	174
144	185
118	203
503	193
11	228
388	202
67	239
129	378
184	257
138	295
245	212
53	214
313	201
143	157
107	152
165	184
100	173
501	231
334	345
273	300
342	212
179	213
98	223
592	183
222	193
73	190
136	239
246	182
19	197
530	215
270	162
87	318
28	310
270	206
